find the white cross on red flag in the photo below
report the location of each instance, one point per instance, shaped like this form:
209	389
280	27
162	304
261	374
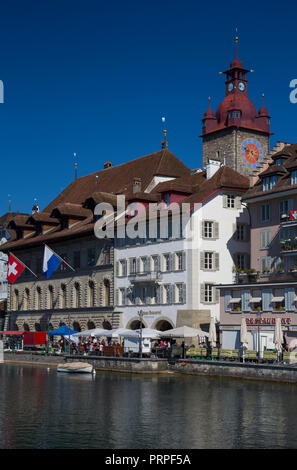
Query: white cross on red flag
14	268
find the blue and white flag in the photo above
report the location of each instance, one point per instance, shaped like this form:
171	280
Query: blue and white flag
50	261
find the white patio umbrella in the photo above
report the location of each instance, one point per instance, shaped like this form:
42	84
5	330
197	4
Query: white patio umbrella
124	332
146	333
212	333
244	336
93	332
184	332
278	336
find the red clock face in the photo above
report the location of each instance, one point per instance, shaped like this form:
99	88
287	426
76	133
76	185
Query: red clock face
251	153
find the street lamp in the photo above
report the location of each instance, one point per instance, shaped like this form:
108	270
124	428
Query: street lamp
140	313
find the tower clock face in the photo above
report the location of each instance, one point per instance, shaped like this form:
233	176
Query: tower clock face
241	86
251	152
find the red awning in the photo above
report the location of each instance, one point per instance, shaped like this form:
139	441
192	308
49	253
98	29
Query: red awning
12	333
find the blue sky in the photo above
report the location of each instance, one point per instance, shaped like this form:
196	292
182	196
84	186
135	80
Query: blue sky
96	77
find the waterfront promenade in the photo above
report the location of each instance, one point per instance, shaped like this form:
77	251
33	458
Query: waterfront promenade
271	372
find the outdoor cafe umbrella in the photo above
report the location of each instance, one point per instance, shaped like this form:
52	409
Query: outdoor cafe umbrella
243	335
146	333
212	333
62	331
125	332
93	332
278	336
184	332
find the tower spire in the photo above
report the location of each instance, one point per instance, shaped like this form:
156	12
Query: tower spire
164	142
75	166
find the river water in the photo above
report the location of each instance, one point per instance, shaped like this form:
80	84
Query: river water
43	409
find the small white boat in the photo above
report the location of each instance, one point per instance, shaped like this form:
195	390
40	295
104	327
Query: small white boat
76	367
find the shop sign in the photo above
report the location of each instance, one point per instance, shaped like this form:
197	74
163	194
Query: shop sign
266	321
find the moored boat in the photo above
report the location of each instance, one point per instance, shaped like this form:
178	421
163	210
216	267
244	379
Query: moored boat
76	367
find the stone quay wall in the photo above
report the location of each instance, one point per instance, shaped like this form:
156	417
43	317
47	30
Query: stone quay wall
250	371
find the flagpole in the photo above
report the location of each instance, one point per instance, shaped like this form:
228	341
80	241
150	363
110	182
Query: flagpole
23	264
60	257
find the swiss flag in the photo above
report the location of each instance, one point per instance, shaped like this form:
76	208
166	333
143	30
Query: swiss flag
14	269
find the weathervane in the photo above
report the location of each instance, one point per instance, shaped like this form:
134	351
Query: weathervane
164	142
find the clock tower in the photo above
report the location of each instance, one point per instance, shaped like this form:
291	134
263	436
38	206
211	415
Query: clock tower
238	134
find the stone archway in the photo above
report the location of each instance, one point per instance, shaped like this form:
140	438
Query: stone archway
26	327
91	325
76	326
163	324
106	325
134	324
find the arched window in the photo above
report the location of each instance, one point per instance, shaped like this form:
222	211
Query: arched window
76	295
135	325
163	325
91	325
91	294
50	297
63	299
106	293
37	327
38	298
106	325
26	299
16	300
26	327
76	326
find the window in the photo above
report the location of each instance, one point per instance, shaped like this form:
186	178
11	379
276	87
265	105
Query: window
167	199
241	232
121	296
167	290
208	260
155	263
231	201
265	212
294	177
285	206
76	295
26	299
241	260
38	299
133	266
91	294
76	259
179	261
265	239
208	293
265	264
207	229
63	296
91	257
166	262
179	292
269	182
278	162
122	268
50	297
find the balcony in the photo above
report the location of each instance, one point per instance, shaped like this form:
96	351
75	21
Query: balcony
145	278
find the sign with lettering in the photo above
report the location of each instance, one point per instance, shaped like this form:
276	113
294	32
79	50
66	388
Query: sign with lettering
266	321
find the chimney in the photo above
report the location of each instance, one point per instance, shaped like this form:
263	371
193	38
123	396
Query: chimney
212	167
136	185
107	165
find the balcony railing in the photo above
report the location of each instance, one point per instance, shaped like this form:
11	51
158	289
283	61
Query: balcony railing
145	277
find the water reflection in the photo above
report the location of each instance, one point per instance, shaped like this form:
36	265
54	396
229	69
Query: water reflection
44	409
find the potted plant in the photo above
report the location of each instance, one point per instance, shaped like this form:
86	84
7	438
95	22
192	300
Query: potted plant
259	308
281	307
280	270
238	309
266	270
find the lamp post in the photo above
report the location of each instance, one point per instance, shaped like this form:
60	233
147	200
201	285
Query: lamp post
69	333
140	313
